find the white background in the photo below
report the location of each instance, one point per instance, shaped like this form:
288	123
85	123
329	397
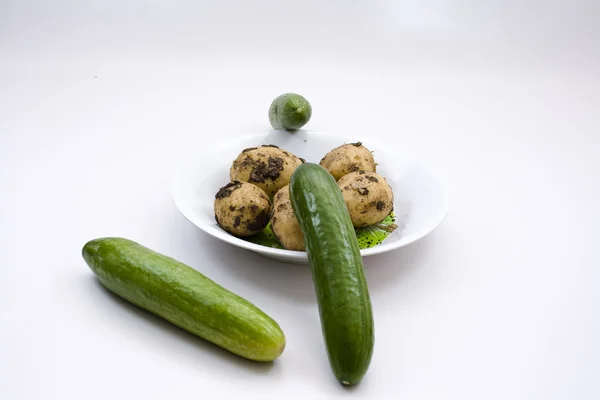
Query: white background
101	100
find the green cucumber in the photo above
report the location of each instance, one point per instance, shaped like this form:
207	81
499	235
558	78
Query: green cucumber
184	297
289	111
337	269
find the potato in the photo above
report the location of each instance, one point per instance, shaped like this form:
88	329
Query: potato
284	224
268	167
348	158
368	196
242	209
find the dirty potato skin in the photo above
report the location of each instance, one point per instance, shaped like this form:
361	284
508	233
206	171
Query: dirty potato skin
268	167
368	196
284	224
348	158
242	209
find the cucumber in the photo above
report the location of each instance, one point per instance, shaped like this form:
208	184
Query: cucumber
289	111
337	269
184	297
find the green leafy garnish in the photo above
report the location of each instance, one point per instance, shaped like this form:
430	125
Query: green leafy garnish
371	236
368	237
265	238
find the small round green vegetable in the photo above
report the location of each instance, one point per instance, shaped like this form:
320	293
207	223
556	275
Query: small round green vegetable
289	111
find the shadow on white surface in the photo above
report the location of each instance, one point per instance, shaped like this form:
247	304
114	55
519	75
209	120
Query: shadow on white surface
386	271
294	281
198	348
290	281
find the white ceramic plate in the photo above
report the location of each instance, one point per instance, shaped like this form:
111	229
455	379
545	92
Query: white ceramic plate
420	203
